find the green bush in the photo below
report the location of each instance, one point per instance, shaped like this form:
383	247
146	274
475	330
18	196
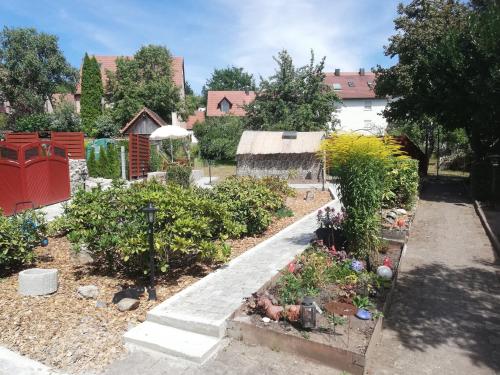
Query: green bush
402	182
218	137
33	123
178	174
251	201
108	165
105	126
112	226
19	235
189	222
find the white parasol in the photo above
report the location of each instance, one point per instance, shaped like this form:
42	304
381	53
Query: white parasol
169	132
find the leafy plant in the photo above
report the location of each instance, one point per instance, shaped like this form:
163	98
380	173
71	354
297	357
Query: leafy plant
19	235
362	302
284	212
179	174
402	182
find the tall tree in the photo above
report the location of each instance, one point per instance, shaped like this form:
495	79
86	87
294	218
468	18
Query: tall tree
218	137
144	80
92	93
31	68
231	78
293	98
448	68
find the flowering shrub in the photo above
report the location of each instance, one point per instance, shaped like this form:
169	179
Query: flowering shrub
328	218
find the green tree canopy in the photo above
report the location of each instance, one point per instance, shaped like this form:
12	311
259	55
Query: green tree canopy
144	80
448	68
92	93
218	137
293	98
231	78
32	67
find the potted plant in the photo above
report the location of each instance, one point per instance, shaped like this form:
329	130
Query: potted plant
330	227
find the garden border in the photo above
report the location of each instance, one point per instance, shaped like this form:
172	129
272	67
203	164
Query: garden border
487	228
241	328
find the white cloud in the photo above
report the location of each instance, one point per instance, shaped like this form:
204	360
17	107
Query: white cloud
335	29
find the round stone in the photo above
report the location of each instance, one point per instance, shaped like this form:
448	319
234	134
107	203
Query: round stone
37	281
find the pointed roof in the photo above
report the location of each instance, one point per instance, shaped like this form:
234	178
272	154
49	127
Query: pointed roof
352	85
144	112
237	99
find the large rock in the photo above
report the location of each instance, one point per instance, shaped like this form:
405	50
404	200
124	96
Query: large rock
88	291
77	171
82	257
37	281
158	176
127	304
95	182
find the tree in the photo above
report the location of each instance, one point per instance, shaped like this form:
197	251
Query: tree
218	137
294	99
65	118
32	67
230	79
105	126
449	59
144	80
92	93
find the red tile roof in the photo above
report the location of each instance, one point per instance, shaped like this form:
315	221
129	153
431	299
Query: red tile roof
198	116
236	98
109	63
360	88
152	114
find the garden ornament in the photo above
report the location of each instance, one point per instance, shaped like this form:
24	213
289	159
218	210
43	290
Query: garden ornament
384	272
357	266
363	314
307	313
44	242
388	262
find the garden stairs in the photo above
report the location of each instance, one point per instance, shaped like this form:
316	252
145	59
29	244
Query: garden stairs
192	323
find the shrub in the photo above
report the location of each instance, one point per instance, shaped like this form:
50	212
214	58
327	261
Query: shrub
402	182
33	123
108	165
218	137
19	235
110	223
251	201
360	163
65	118
178	174
105	126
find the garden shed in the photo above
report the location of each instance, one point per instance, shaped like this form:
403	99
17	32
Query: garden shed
285	154
144	122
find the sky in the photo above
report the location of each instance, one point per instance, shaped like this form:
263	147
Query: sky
216	33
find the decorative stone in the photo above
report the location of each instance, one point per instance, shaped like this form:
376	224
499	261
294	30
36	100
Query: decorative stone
309	195
83	256
401	211
100	304
127	304
363	314
132	293
37	281
88	291
391	214
157	176
97	182
384	272
266	319
357	266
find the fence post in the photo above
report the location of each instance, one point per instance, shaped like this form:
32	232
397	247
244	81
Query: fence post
124	170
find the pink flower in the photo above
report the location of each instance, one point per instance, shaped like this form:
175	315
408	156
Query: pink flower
291	267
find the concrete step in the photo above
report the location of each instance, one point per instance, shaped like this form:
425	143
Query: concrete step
172	341
205	325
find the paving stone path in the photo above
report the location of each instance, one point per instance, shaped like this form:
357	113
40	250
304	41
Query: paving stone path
445	316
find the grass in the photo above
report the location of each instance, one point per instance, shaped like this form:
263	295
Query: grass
219	169
432	170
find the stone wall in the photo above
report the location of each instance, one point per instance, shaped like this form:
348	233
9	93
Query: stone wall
295	167
77	169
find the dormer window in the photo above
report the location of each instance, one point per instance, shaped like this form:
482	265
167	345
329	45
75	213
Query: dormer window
224	105
337	86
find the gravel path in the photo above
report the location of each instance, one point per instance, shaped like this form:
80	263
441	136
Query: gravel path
445	317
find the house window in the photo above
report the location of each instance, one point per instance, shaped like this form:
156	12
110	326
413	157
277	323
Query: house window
225	105
368	105
337	86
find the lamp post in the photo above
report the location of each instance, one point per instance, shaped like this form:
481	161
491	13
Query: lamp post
150	212
495	163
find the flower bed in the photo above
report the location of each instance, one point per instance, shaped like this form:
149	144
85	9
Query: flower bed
77	334
338	339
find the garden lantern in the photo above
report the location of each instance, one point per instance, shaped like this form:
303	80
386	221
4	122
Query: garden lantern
150	212
307	313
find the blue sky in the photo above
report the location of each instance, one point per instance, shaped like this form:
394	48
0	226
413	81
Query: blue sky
216	33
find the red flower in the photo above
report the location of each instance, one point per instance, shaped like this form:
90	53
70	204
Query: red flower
291	267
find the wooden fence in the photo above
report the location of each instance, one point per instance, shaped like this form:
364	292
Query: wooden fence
74	142
20	139
138	155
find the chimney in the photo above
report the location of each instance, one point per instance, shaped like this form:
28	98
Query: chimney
361	71
337	72
247	91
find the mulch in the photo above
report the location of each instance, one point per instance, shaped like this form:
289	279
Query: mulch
70	333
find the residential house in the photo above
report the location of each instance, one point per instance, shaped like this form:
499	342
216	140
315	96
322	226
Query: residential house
360	110
220	103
